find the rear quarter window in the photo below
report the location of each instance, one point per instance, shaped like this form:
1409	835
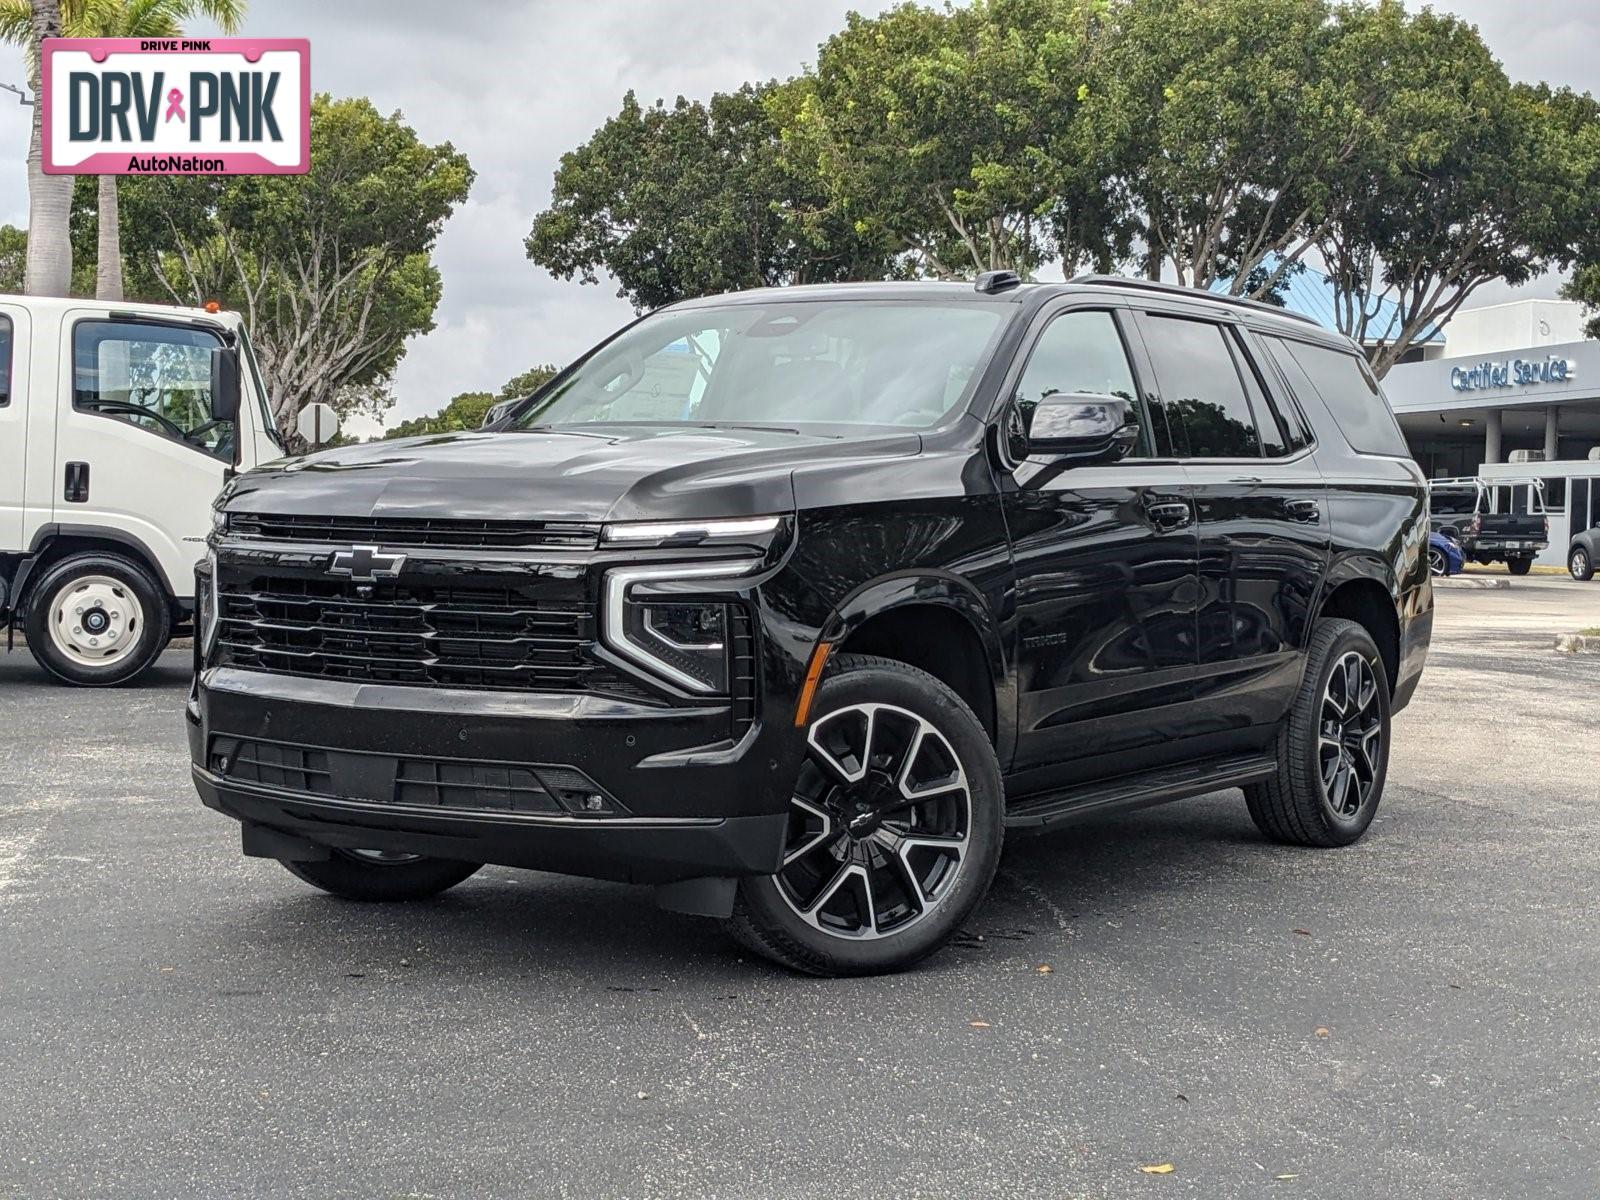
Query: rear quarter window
1350	392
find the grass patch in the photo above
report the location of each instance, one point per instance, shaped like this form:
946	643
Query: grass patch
1592	631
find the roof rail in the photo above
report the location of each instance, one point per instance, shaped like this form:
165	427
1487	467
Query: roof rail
1174	289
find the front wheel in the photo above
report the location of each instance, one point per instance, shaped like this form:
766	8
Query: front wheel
1437	563
1333	753
894	833
1519	566
1580	564
381	875
96	620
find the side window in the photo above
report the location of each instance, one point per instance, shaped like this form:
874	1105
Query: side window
154	376
1201	388
1352	395
1282	430
1079	351
5	361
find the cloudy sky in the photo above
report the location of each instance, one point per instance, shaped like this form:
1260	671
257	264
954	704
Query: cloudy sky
514	83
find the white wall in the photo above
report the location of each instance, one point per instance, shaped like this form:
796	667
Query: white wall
1515	326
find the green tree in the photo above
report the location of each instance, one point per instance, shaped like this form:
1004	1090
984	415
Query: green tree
120	19
332	270
689	199
1462	177
466	410
13	258
933	131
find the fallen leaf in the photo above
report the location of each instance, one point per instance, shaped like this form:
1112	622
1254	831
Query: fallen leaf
1303	932
1159	1169
1182	1097
1322	1031
1045	969
979	1024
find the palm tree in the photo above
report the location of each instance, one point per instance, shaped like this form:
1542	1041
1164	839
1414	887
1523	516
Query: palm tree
27	23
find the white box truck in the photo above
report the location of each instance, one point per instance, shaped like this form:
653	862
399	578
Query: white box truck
118	425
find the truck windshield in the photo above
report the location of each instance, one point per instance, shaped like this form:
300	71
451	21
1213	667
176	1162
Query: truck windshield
851	363
263	401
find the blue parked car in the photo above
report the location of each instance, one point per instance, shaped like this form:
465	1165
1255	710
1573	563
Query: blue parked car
1445	556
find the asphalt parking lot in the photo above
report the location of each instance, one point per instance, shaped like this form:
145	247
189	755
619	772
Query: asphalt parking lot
1417	1016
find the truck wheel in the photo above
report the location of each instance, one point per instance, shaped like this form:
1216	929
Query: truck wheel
894	831
1581	566
1333	753
1519	566
380	875
96	619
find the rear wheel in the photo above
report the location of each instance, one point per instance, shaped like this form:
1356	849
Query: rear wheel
894	833
381	875
1333	754
96	619
1580	564
1437	563
1519	566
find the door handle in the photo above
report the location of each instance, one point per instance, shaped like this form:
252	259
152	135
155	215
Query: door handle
1251	480
1303	510
76	485
1172	514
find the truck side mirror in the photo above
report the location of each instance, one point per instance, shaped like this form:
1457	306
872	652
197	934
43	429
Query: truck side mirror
224	384
1082	426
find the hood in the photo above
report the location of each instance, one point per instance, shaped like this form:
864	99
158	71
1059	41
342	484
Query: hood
596	474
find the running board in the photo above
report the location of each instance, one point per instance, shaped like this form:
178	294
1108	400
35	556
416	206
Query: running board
1139	791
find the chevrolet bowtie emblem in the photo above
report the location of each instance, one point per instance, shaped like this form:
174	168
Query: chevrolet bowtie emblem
364	562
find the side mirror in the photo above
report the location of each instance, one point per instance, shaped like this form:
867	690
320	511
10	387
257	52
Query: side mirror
494	413
224	384
1081	425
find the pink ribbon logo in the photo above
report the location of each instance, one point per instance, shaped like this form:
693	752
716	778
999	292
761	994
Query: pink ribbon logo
175	105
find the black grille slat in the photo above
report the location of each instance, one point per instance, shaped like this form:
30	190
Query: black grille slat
448	533
393	632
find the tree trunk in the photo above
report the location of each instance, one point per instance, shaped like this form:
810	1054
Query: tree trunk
49	269
108	266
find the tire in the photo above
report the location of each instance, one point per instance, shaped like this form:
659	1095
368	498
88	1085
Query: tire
111	589
1309	801
1437	563
872	896
369	875
1519	566
1580	565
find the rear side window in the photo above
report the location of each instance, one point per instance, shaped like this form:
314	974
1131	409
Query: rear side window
5	361
1282	431
1201	388
1352	396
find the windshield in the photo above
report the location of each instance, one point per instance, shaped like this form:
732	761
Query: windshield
263	402
851	362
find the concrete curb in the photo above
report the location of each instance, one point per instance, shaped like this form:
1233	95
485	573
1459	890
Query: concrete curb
1573	643
1470	581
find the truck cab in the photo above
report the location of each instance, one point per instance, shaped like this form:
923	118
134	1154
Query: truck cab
119	424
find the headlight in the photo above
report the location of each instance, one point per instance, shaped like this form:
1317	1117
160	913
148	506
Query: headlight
690	532
219	520
206	601
684	641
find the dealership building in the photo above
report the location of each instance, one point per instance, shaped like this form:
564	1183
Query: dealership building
1512	394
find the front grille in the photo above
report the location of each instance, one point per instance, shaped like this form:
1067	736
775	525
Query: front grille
417	531
276	764
386	632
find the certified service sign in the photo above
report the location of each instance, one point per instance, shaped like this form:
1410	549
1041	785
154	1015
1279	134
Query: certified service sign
165	106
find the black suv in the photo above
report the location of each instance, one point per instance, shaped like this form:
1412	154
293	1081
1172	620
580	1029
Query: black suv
790	603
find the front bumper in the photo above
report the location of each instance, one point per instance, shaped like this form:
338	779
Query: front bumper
437	772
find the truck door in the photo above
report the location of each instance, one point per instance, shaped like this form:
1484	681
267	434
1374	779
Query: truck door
14	413
137	453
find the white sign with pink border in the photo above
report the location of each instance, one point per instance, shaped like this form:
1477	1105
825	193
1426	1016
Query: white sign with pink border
193	106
